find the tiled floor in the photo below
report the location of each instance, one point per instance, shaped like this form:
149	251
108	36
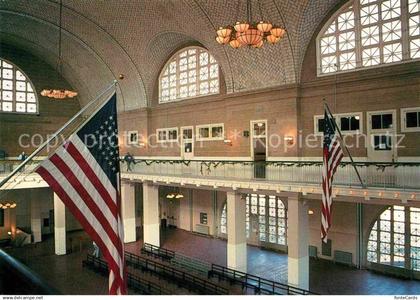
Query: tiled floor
66	274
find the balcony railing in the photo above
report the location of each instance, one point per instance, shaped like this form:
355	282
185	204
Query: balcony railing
405	176
398	175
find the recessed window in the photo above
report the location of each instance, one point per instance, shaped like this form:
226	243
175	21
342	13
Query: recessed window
382	121
132	137
348	123
1	217
410	119
395	238
167	135
210	132
192	72
270	216
17	93
382	142
368	33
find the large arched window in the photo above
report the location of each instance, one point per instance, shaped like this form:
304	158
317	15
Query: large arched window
17	93
270	215
368	33
395	238
191	72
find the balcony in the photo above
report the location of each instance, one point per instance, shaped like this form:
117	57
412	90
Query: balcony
390	176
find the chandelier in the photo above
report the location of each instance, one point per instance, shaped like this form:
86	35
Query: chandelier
59	93
249	33
7	205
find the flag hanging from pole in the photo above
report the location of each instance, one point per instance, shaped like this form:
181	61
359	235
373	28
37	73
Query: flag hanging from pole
84	173
332	155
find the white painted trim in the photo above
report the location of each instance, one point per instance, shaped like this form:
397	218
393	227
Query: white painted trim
251	131
129	133
167	135
210	127
313	158
211	158
338	117
403	119
189	140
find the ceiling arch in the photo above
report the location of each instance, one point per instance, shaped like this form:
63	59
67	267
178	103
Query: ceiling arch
106	38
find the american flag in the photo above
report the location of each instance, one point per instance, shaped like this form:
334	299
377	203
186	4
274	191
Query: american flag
333	153
84	173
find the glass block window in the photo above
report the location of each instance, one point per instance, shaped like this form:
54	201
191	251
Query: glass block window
17	94
271	216
191	72
367	33
395	238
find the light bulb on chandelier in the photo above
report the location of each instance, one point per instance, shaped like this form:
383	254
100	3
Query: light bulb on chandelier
249	33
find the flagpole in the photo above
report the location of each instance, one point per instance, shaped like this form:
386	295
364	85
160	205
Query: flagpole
345	146
33	154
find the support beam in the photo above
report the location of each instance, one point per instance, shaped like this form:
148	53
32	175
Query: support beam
128	211
59	226
297	242
36	219
236	220
151	228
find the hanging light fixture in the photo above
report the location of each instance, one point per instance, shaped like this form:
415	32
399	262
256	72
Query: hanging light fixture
249	33
59	93
175	194
8	205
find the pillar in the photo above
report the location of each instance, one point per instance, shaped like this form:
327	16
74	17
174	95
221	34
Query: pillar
236	231
297	242
59	226
151	223
128	211
36	219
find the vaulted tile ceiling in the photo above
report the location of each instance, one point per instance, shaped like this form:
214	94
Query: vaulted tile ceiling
103	39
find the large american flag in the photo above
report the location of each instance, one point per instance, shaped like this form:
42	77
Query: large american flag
333	153
84	173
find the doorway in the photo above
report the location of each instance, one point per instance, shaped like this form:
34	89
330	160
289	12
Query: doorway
382	136
187	142
259	146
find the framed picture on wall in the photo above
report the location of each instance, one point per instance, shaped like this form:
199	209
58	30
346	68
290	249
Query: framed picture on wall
203	218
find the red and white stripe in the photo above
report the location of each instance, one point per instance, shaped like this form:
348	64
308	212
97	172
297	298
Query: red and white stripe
75	176
332	158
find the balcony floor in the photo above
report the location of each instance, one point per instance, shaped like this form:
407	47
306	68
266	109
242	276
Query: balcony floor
67	275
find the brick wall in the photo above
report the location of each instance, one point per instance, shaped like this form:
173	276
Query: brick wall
52	113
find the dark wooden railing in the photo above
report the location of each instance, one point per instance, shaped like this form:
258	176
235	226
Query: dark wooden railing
158	252
258	284
181	278
133	281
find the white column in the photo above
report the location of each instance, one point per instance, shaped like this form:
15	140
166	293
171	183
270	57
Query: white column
36	218
297	242
128	211
151	223
236	244
59	226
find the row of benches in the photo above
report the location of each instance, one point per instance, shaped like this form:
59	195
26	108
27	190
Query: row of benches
246	280
133	281
181	278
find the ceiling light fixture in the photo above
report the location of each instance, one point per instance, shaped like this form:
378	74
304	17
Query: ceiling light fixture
59	93
249	33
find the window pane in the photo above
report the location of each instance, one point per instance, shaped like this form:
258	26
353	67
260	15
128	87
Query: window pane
412	119
204	132
217	132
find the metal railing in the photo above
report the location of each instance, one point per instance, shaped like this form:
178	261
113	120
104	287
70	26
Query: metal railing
397	175
155	251
260	285
189	281
133	281
374	174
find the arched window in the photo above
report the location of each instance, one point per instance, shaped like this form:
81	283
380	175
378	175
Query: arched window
270	215
368	33
191	72
17	93
395	238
